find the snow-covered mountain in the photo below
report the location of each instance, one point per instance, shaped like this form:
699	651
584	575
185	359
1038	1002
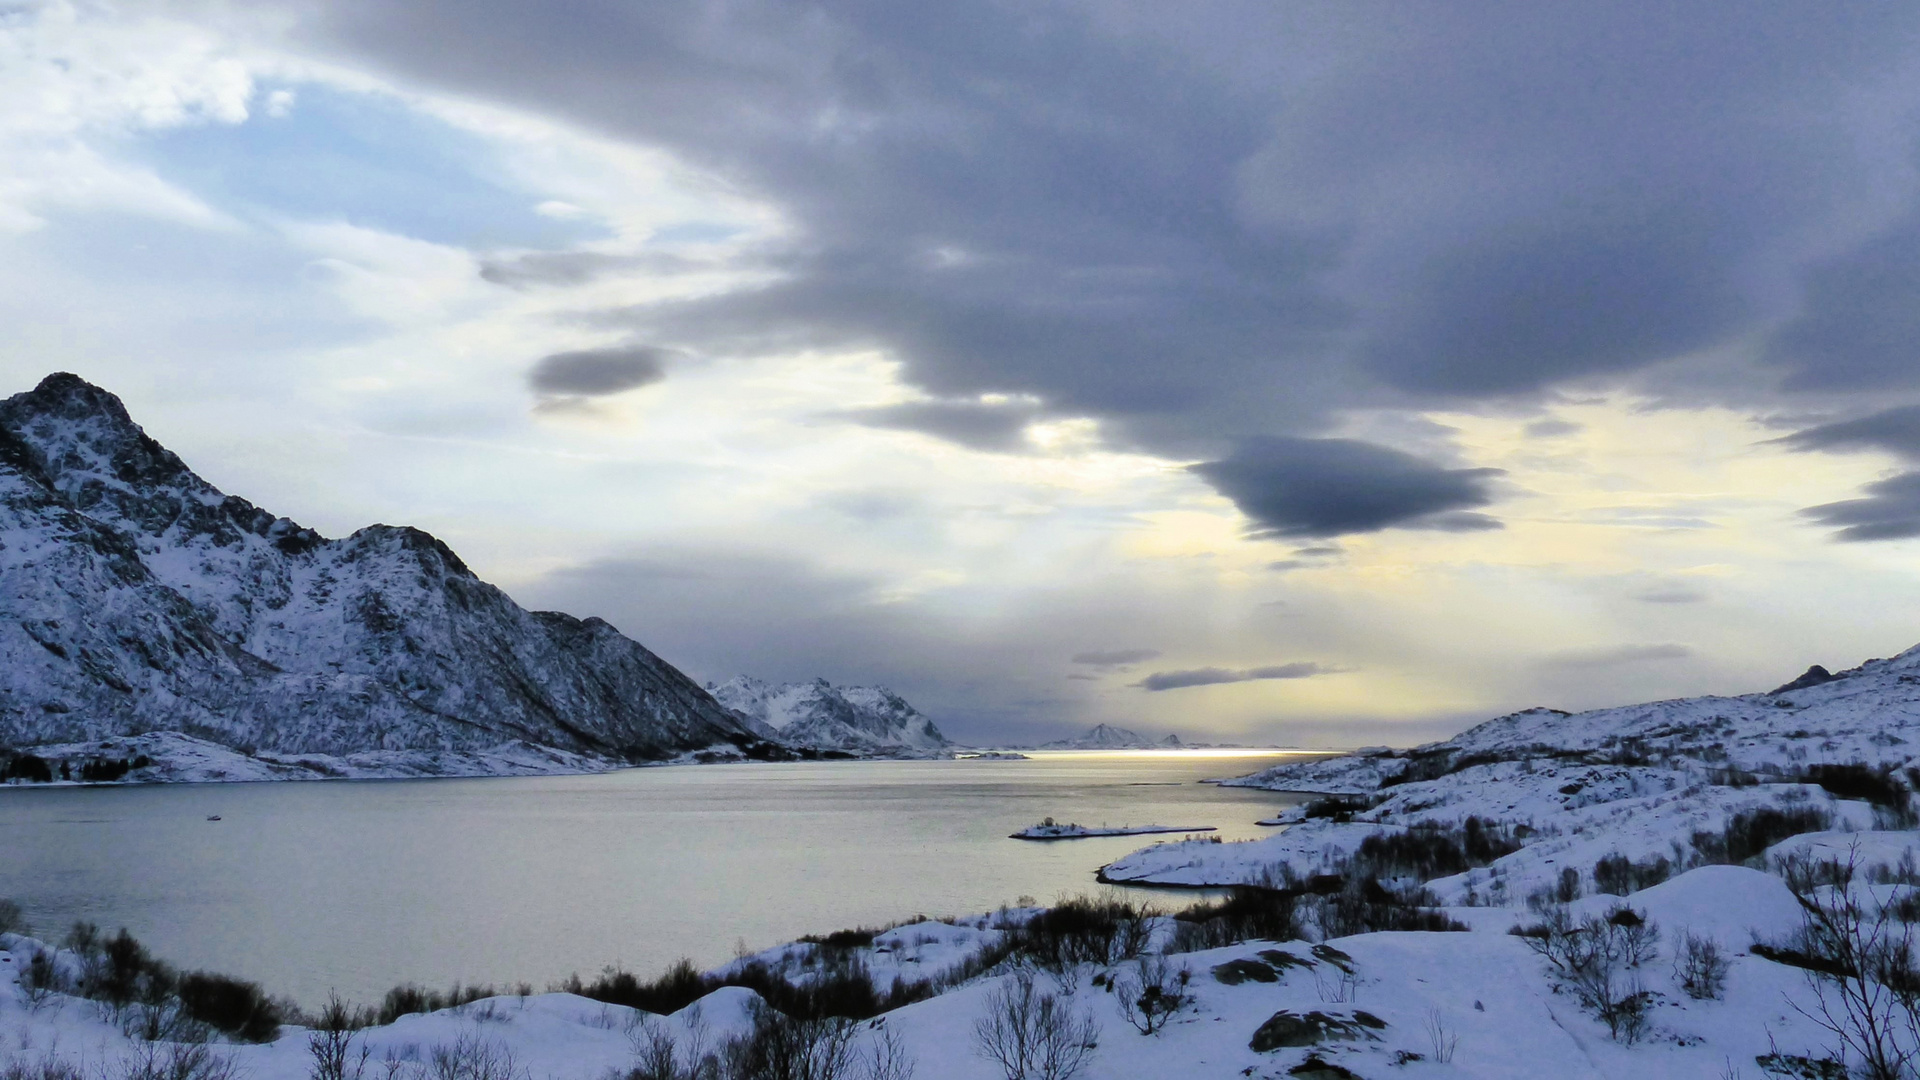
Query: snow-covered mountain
1109	737
135	596
821	716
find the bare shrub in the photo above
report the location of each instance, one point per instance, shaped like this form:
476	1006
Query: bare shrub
235	1006
1441	1039
1700	967
1861	967
178	1061
48	1067
471	1057
1152	994
12	919
782	1047
330	1045
1034	1034
887	1057
1248	912
1598	959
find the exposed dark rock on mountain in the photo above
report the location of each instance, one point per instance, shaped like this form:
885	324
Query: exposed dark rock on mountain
135	596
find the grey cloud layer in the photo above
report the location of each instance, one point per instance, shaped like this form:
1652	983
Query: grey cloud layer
1218	222
598	372
1330	487
1213	676
1890	511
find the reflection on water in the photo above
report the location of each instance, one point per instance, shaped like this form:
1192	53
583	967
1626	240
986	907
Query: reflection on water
311	887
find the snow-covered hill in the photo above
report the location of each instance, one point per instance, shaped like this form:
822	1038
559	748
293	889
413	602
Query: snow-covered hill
1638	781
866	720
136	597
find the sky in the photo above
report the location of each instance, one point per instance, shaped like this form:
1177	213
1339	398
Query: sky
1326	374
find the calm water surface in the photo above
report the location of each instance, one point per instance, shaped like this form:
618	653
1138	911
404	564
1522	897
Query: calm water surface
355	886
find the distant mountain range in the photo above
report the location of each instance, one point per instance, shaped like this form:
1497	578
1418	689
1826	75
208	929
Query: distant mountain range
137	597
864	720
1109	737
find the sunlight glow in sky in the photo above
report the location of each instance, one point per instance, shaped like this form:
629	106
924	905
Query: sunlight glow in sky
1248	373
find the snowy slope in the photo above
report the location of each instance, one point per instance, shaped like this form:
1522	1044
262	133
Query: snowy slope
821	716
134	596
1638	781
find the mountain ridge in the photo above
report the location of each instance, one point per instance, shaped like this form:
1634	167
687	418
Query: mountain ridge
136	596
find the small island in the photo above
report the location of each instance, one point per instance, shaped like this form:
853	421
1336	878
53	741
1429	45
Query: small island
1052	830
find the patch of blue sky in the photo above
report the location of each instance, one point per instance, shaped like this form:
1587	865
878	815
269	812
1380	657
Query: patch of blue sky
367	160
187	289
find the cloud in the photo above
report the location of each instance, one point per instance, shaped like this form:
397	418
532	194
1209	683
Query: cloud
563	268
598	372
1114	657
1896	430
1617	655
1891	511
1332	487
1552	428
1858	327
996	425
1675	594
1135	215
1213	676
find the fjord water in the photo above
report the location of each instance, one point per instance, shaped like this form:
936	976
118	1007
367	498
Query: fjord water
355	886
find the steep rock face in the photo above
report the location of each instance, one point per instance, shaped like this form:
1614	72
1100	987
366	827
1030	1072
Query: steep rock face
139	597
817	714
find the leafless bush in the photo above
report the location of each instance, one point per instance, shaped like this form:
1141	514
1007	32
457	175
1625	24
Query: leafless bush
47	1068
1152	994
782	1047
1441	1039
887	1057
1861	966
1700	967
12	919
42	977
178	1061
471	1057
330	1044
1033	1034
1336	985
1598	959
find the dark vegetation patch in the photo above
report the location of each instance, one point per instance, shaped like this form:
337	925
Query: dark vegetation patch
1751	832
1618	875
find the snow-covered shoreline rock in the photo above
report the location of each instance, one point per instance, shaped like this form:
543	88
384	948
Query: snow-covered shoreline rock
1047	830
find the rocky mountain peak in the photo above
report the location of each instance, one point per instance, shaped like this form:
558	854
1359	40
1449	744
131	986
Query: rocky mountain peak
135	596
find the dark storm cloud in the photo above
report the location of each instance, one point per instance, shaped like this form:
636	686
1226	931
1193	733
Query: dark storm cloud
1331	487
1114	657
1219	221
1859	327
597	372
1213	676
1897	429
1618	655
981	425
1891	511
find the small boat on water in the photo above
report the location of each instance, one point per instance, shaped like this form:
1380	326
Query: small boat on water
213	817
